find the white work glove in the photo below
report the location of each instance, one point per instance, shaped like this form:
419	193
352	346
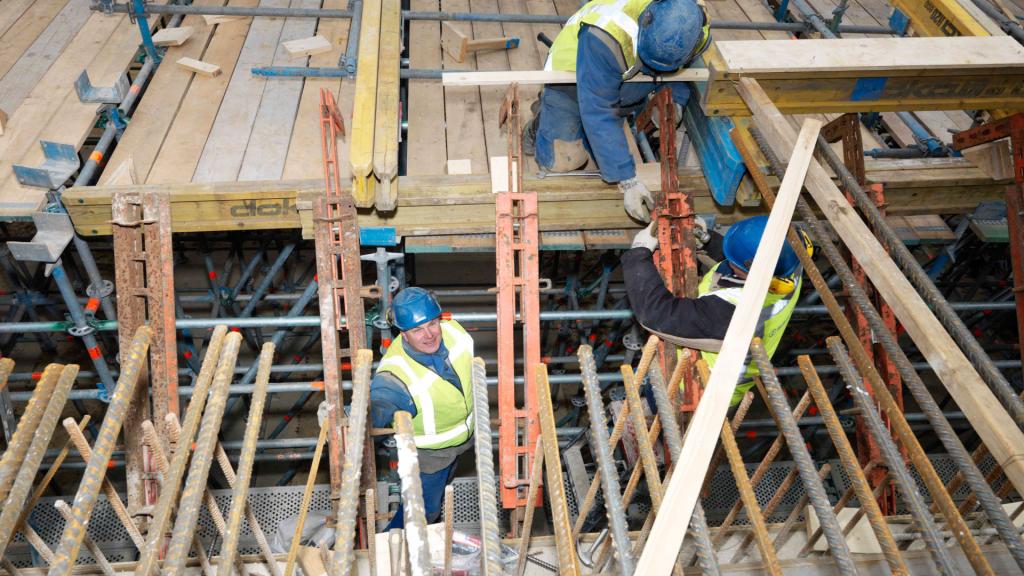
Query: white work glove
646	238
321	413
638	199
700	231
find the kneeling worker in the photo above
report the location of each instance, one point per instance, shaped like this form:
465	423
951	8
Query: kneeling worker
701	322
427	372
607	42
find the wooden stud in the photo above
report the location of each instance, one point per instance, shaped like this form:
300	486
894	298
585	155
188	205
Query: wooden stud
307	46
524	77
173	36
682	492
385	139
124	174
364	109
199	67
3	122
221	19
457	44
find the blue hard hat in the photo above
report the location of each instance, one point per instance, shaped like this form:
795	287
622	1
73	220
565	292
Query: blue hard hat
741	242
412	307
670	31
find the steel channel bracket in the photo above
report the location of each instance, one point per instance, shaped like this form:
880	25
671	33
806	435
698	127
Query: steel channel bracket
101	95
61	162
54	232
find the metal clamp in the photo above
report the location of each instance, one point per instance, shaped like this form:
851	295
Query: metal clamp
102	290
79	331
101	95
61	161
54	232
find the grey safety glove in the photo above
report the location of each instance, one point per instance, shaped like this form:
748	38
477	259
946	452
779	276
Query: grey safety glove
637	198
646	238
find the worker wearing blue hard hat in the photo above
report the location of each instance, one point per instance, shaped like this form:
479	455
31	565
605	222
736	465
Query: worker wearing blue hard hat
427	372
701	322
607	42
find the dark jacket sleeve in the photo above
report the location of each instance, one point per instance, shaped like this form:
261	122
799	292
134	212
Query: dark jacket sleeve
387	396
693	322
598	82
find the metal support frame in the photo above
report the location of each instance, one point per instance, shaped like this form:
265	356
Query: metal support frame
144	275
1011	127
846	129
677	253
517	259
340	280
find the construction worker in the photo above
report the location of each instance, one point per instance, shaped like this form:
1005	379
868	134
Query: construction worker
701	322
427	372
607	42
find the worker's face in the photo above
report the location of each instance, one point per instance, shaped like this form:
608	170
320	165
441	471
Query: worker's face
738	271
425	338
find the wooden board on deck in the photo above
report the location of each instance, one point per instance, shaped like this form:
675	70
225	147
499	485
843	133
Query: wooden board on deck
425	143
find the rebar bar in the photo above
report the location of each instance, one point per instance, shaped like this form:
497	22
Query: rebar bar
531	498
412	497
858	479
602	451
371	527
802	458
880	332
97	553
893	458
172	483
705	550
449	527
785	531
352	468
14	455
88	491
307	497
202	458
245	461
488	499
926	287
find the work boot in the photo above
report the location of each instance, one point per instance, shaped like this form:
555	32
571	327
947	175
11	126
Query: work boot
529	137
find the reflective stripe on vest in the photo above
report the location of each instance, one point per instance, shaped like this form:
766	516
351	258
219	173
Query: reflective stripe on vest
444	416
775	316
616	17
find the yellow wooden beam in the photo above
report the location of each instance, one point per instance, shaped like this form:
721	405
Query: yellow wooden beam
385	143
940	18
364	108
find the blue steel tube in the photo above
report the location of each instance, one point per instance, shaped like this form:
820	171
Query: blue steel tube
83	330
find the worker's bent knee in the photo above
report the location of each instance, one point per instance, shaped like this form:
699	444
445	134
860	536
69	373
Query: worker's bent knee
561	155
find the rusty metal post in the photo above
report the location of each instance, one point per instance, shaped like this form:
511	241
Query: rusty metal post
348	503
412	497
802	458
14	505
705	550
535	481
858	477
97	554
565	545
245	460
894	459
307	497
12	458
488	498
602	451
88	491
202	458
172	483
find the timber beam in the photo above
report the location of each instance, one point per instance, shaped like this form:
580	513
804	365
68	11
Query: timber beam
927	186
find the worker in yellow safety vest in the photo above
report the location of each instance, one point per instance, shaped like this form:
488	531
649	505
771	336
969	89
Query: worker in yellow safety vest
427	372
607	42
701	322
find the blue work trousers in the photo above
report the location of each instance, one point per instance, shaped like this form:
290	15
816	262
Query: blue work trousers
563	138
433	496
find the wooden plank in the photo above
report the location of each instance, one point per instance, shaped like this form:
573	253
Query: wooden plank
870	56
491	97
186	137
463	120
37	59
199	67
223	154
13	10
682	491
526	77
271	133
105	46
427	149
152	119
365	105
304	158
25	31
173	36
307	46
386	130
965	386
212	20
